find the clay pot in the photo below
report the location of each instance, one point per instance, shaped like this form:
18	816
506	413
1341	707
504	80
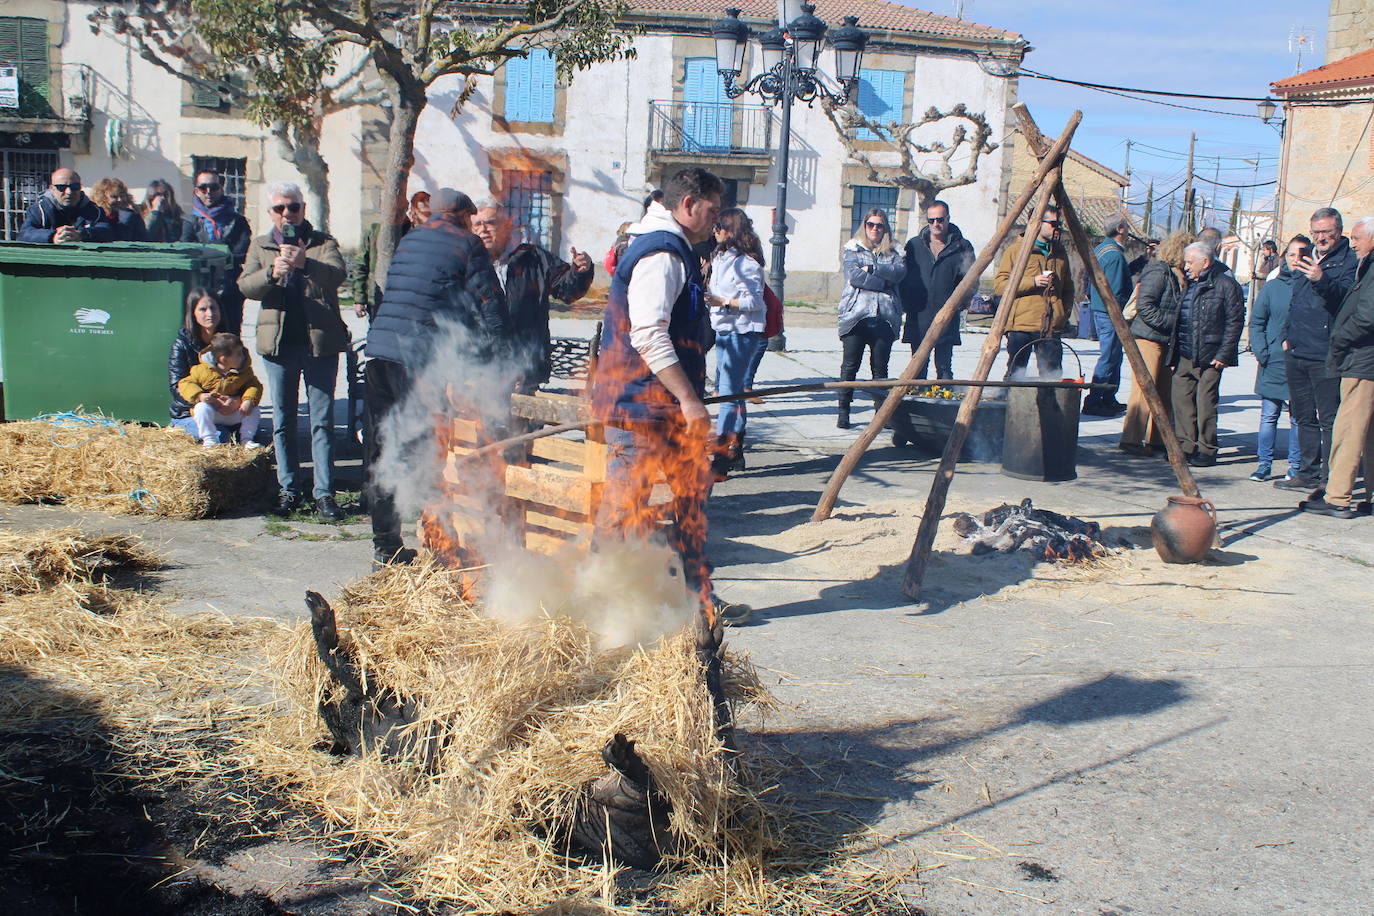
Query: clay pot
1183	531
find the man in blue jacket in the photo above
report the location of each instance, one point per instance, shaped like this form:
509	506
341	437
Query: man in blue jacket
440	278
1319	286
1111	254
65	214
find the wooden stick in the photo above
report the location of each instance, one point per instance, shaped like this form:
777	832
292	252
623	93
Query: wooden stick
796	389
937	326
1139	370
939	487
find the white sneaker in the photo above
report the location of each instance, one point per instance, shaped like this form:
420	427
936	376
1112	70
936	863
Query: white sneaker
252	445
209	443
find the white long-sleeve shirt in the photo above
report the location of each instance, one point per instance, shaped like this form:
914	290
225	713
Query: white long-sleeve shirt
737	276
655	284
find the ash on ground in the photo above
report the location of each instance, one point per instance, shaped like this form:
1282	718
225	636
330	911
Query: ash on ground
1044	533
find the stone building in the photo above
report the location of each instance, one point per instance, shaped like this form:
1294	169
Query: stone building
1327	157
1349	28
1096	190
574	159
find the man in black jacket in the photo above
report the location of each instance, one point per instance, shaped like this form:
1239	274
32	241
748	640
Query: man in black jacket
1206	339
1319	285
1352	361
65	214
214	221
440	279
937	258
530	274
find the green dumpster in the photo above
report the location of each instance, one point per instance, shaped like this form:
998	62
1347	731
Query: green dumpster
90	325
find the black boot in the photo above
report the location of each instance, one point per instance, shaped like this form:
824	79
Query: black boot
720	459
737	454
842	421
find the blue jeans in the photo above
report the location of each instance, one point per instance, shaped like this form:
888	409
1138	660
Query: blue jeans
1108	368
735	353
1270	411
754	363
284	372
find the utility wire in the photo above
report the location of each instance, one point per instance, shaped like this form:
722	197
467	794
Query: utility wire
1222	184
1035	74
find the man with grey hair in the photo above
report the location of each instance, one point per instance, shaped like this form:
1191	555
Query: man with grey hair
1206	340
1111	254
530	274
295	272
1352	360
1320	283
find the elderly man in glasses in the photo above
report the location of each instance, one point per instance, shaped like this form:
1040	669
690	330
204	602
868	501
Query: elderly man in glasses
65	214
1041	310
214	221
295	272
937	258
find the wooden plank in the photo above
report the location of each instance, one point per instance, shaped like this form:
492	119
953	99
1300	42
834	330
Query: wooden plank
545	543
464	431
550	487
555	409
565	451
558	520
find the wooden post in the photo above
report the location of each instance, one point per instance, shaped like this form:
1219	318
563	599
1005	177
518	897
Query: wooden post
937	326
1139	370
939	487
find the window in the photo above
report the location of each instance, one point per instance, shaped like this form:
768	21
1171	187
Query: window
232	171
24	177
881	95
203	97
529	200
530	87
24	46
866	197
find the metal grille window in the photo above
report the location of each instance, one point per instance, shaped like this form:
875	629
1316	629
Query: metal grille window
529	200
233	172
24	177
866	197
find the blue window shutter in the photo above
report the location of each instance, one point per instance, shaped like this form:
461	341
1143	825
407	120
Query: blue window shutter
881	98
530	84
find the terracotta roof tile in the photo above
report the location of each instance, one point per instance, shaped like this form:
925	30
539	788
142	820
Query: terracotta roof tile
1355	70
873	14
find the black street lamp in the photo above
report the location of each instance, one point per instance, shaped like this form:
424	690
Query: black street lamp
789	73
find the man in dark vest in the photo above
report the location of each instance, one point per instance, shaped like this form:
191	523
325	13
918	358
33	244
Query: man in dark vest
651	379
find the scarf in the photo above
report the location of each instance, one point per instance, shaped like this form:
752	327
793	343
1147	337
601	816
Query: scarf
216	218
1043	247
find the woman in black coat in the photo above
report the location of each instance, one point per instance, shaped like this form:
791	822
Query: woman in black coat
1157	298
112	196
201	321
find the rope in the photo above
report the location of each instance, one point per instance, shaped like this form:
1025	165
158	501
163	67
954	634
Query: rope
70	419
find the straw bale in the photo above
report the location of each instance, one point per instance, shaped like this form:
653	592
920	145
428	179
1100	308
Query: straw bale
31	563
127	468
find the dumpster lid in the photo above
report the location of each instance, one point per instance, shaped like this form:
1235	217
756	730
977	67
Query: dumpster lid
127	255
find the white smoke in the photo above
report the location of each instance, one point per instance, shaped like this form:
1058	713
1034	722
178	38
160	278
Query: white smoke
625	592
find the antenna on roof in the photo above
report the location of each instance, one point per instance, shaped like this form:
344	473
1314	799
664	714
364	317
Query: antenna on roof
959	8
1300	39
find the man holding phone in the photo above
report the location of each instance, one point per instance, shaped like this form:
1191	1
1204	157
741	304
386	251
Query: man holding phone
1320	283
65	214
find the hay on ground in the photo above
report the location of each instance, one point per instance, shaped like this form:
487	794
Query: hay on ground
123	467
31	563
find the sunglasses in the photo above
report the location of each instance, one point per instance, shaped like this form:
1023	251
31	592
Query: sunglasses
881	226
1051	222
288	208
67	187
208	187
937	219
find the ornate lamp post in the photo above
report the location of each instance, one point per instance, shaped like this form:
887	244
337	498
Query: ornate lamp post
790	72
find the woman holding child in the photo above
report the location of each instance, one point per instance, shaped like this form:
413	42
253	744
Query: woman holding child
202	323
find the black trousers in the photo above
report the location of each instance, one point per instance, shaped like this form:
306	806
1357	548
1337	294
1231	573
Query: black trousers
875	334
1049	354
388	384
1314	394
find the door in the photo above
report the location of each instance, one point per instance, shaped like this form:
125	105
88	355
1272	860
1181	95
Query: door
707	112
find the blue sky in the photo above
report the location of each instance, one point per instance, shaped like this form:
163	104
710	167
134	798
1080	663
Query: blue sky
1222	46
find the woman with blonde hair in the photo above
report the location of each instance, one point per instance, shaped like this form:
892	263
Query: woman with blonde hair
1157	300
870	307
112	196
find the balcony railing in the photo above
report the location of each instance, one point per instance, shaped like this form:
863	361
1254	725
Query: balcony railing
710	128
65	97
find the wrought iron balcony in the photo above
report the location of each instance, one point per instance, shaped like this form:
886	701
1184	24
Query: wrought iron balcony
63	100
710	129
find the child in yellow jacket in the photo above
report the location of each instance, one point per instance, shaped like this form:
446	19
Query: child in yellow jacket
223	391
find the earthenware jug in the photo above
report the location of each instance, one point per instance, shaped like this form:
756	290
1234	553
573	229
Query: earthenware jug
1183	531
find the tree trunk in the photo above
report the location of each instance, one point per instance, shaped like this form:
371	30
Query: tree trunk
301	147
407	102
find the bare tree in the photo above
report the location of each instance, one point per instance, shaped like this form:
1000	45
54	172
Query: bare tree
926	168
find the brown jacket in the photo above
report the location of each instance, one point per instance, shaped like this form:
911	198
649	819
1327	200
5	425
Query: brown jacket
1039	310
324	272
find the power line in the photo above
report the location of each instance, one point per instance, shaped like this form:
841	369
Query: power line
1035	74
1222	184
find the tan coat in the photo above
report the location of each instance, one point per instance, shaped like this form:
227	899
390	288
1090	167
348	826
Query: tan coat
324	272
1036	309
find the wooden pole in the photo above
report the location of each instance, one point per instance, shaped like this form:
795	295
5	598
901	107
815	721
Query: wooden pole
937	326
939	487
1139	370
